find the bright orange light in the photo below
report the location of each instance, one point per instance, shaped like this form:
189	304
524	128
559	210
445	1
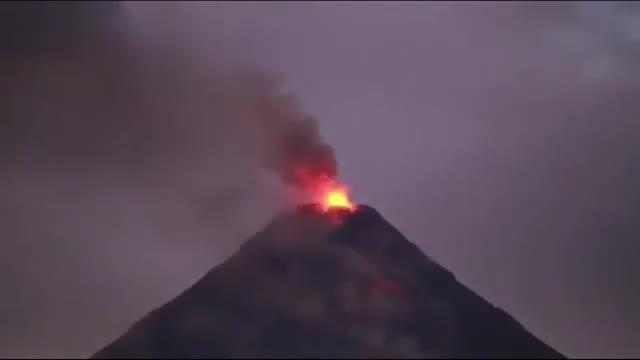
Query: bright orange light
337	196
337	199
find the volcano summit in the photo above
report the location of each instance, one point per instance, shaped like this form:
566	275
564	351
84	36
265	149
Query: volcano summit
309	286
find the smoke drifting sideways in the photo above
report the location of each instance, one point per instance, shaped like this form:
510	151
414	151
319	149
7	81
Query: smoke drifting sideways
131	164
132	82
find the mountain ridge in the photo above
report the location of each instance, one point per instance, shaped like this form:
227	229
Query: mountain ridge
338	284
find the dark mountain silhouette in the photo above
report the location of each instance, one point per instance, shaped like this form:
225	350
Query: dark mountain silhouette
315	284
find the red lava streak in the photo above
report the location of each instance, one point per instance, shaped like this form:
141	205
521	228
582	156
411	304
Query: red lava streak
384	286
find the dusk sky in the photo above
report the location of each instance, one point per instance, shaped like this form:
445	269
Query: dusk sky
501	138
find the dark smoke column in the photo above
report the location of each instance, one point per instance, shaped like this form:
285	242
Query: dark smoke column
290	143
307	286
44	26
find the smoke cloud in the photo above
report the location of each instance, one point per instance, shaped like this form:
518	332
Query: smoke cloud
100	99
289	138
121	138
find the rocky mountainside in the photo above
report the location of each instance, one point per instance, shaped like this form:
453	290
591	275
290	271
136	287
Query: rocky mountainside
317	284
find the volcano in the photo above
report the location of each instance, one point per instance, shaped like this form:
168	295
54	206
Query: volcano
308	286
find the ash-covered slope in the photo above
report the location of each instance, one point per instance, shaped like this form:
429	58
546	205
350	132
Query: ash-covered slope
311	286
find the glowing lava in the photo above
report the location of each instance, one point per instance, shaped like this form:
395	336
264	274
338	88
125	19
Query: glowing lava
324	190
336	196
337	199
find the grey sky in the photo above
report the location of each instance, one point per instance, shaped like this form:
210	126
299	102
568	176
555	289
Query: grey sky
502	138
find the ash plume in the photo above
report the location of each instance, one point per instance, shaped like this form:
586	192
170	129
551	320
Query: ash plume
290	138
99	88
123	145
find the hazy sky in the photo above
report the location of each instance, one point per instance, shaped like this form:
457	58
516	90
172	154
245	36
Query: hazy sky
502	138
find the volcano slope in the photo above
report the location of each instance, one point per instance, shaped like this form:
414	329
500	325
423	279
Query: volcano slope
341	285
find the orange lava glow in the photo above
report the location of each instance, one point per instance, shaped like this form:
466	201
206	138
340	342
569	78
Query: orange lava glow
331	194
337	198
